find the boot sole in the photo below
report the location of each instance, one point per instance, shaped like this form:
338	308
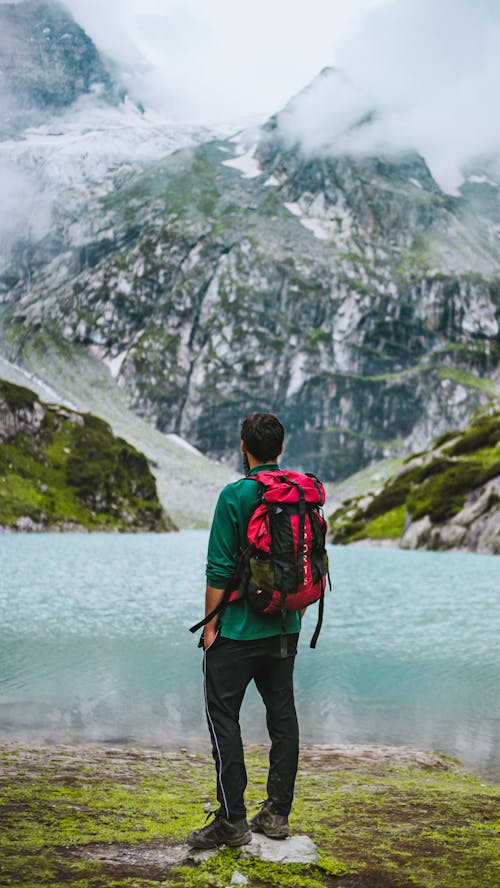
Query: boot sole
245	840
270	835
236	843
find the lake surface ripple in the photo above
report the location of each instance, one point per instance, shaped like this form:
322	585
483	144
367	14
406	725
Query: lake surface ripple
94	646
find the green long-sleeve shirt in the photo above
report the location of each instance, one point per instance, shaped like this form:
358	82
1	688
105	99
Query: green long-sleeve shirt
227	537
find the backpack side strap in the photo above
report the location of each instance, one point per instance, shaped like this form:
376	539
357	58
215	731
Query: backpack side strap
220	607
230	593
321	608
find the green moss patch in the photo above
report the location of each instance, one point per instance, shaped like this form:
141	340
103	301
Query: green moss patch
467	379
483	432
388	526
16	396
100	816
442	495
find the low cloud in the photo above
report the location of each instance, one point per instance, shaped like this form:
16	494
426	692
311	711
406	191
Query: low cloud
219	61
426	72
25	208
420	75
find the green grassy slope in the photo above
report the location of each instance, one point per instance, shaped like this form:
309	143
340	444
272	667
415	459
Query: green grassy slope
60	469
188	483
434	486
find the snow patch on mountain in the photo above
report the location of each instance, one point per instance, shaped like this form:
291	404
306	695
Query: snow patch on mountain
246	163
321	228
293	208
324	224
90	140
181	442
115	364
482	180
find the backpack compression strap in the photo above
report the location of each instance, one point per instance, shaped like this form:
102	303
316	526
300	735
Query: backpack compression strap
220	607
300	547
321	607
230	595
319	624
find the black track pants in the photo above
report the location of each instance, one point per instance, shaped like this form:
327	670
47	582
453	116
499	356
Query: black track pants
229	666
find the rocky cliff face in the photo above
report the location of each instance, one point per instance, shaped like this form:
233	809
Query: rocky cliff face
348	294
63	470
445	498
47	62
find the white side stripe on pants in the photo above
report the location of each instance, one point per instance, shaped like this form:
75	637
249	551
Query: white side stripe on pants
214	735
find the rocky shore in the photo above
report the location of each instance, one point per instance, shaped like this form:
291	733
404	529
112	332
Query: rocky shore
445	498
380	817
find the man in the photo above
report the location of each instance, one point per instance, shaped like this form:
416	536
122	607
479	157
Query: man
242	645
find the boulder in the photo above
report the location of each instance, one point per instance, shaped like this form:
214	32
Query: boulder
295	849
448	536
416	534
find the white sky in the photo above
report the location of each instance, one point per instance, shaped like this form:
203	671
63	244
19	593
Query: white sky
207	61
430	69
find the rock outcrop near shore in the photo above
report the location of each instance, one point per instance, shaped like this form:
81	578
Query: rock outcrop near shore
447	497
63	470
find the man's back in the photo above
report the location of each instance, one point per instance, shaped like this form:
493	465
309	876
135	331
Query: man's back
240	646
227	539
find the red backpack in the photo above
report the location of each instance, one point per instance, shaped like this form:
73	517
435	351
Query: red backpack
284	565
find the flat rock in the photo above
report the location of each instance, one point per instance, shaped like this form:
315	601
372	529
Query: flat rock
295	849
154	857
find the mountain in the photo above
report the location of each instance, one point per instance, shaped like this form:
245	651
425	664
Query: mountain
58	153
63	470
47	62
447	497
348	293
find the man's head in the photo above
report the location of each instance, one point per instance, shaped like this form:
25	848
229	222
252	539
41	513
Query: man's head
262	437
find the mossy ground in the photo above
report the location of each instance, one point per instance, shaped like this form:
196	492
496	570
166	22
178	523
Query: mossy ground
97	816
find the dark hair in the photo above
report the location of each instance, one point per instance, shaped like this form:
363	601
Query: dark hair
263	434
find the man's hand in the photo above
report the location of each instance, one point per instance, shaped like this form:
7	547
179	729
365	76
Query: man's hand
209	634
213	597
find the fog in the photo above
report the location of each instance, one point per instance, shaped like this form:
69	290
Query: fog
25	207
207	62
426	72
430	73
188	64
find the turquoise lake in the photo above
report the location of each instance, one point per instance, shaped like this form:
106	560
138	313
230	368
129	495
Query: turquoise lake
94	645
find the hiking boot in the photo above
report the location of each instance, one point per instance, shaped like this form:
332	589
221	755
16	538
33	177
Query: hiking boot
220	832
269	822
